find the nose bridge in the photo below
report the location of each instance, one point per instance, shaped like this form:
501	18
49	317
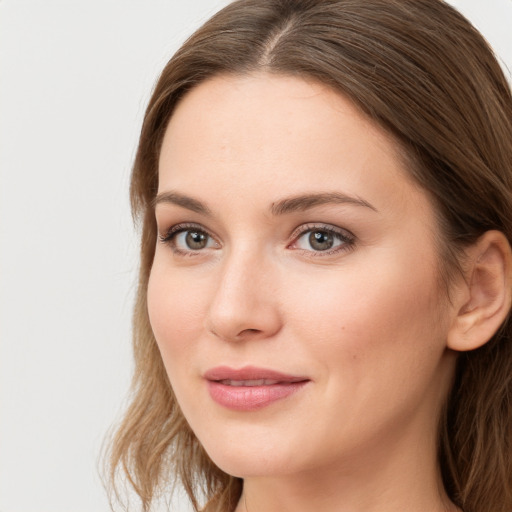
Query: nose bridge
244	303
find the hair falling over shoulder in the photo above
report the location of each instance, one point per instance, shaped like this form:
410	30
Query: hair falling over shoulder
419	69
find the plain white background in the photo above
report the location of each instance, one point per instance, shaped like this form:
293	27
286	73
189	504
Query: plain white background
74	81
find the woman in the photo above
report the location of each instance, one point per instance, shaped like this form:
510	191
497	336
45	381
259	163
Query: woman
325	283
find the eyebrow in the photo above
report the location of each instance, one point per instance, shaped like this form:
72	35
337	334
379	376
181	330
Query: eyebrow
288	205
308	201
182	200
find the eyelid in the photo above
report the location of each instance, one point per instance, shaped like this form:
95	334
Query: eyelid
183	226
344	235
174	230
304	228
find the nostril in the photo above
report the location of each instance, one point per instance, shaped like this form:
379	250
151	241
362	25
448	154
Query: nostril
247	333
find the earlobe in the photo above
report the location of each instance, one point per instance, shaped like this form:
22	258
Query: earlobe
487	297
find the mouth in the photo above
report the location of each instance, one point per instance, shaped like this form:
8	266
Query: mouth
250	388
248	383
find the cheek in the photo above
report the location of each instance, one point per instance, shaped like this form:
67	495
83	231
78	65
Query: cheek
176	307
376	341
379	316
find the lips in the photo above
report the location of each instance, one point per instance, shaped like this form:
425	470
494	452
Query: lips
249	383
250	388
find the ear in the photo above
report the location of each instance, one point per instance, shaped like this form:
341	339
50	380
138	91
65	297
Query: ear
485	294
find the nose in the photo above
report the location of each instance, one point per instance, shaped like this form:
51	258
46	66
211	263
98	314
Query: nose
245	303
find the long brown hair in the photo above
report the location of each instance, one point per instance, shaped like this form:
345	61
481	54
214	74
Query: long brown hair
419	69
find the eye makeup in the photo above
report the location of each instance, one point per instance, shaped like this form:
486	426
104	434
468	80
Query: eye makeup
312	239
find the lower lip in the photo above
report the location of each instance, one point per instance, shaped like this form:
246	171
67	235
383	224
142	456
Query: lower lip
251	398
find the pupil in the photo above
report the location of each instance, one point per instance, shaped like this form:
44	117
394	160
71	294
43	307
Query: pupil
196	240
321	240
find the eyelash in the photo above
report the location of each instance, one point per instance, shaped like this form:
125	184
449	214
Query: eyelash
346	238
174	231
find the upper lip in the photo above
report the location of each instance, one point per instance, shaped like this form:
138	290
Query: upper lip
249	373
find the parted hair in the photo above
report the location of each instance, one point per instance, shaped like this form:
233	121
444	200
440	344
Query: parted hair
421	71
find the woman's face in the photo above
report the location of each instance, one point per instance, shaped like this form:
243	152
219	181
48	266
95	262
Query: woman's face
294	293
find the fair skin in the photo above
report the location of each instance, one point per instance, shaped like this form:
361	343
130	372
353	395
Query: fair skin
321	288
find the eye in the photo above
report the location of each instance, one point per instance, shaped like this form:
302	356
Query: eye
194	240
324	239
188	239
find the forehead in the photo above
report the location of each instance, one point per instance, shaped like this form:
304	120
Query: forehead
249	135
243	112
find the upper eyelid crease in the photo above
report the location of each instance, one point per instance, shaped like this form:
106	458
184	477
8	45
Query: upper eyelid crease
320	226
186	226
282	207
342	234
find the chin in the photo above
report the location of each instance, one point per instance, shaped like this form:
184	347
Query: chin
250	455
244	465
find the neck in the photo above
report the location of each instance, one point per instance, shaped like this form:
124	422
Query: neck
392	476
343	494
289	496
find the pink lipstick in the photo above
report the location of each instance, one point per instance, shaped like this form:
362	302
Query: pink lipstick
250	388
